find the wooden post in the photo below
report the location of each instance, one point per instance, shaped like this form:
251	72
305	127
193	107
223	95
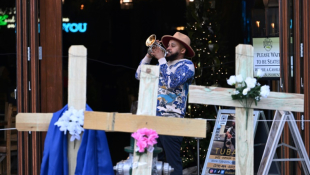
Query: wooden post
34	84
147	103
22	78
285	65
306	48
76	94
244	136
148	90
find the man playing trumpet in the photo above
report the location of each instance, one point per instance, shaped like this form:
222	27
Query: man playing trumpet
176	74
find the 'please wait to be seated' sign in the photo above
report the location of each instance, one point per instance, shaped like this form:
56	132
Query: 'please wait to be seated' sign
267	56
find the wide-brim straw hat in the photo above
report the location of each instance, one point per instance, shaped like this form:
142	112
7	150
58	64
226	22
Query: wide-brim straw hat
183	39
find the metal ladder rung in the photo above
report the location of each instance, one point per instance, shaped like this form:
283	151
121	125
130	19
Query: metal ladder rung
284	144
290	159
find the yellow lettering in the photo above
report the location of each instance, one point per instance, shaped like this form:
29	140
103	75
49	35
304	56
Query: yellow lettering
222	152
228	152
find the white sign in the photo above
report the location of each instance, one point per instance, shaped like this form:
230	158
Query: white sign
267	56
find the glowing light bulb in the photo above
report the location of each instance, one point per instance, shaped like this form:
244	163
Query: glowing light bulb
257	23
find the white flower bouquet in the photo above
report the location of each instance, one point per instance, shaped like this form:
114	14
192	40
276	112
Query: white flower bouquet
249	90
72	120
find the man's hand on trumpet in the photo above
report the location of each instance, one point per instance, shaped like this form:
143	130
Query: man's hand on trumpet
157	52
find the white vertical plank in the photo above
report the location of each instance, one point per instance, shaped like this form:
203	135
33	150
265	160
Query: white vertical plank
77	77
76	94
142	163
244	136
148	90
147	103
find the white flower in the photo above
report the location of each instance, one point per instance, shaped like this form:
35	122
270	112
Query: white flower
70	111
264	91
236	92
75	136
257	98
150	149
79	129
232	80
239	79
80	115
245	91
72	120
63	126
260	73
71	128
250	82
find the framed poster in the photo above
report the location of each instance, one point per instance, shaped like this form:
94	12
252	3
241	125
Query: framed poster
220	157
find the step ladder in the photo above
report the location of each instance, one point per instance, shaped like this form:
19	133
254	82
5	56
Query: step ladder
273	140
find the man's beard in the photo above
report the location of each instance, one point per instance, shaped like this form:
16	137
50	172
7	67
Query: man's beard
172	57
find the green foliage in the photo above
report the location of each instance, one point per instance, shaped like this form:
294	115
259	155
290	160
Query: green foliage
213	65
248	91
253	93
208	41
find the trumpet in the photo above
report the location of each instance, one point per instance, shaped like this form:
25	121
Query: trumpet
152	44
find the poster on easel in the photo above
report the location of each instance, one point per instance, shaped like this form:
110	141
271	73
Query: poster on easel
221	154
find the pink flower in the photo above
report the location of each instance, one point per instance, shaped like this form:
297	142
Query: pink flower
136	135
153	132
145	139
142	145
143	131
151	140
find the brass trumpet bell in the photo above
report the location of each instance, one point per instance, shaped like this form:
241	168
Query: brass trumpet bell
152	44
150	40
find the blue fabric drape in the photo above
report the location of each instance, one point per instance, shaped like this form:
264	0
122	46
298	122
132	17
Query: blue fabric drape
93	155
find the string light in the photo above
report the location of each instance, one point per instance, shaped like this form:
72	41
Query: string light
202	36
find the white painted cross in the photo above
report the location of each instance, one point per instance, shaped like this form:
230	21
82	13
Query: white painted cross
76	98
222	97
112	121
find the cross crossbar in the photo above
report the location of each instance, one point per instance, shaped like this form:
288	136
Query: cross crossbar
33	121
130	123
119	122
222	97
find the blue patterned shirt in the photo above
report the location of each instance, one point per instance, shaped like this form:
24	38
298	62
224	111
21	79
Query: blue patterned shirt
174	79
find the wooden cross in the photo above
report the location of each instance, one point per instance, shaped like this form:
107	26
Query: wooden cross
222	97
145	118
114	122
76	98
